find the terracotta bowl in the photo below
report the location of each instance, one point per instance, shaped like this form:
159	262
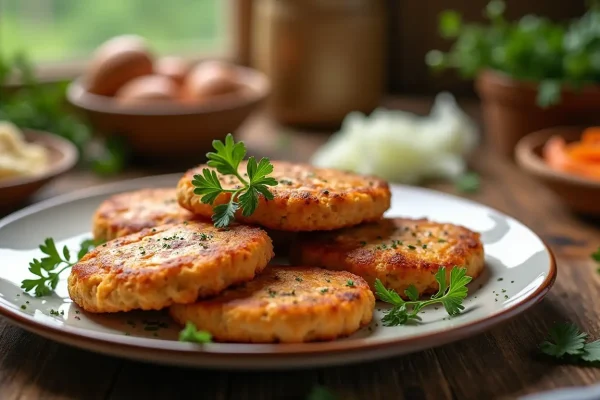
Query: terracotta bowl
580	194
172	130
510	111
63	156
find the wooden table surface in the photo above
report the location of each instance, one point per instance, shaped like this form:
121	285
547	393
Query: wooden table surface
501	363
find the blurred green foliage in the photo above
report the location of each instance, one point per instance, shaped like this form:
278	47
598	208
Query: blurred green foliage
60	30
533	48
42	107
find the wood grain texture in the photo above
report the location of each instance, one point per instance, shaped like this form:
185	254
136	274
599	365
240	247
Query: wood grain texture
501	363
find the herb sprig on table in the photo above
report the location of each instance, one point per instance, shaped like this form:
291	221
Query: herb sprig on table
226	161
48	269
566	342
450	294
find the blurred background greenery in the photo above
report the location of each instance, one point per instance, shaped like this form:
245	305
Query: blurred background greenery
64	30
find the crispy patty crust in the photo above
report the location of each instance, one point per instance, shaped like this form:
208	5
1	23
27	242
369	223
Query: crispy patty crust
306	199
127	213
284	304
175	263
399	251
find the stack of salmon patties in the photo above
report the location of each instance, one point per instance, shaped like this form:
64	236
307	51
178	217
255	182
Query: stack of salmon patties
163	251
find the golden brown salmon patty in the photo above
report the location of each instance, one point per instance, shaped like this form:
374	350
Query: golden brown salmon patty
175	263
306	199
399	251
284	304
127	213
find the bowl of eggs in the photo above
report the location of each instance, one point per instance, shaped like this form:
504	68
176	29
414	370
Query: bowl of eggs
164	107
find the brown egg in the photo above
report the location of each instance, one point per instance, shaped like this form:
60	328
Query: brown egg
116	62
147	88
172	67
209	79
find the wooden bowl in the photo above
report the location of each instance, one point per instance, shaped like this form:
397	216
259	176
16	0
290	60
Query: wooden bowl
63	156
168	129
580	194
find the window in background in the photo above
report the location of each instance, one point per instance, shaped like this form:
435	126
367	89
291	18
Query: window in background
59	31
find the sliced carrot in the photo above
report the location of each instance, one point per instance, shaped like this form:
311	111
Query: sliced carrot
556	154
584	152
591	136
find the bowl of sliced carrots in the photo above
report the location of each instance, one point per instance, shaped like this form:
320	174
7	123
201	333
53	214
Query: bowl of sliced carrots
567	161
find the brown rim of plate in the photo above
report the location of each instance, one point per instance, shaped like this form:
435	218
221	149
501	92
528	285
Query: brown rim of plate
123	345
527	154
68	158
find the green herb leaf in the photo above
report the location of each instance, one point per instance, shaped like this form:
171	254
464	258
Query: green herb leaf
228	156
456	292
412	293
596	255
207	185
468	183
191	334
440	277
450	24
495	9
249	201
86	246
387	295
564	339
548	93
591	351
224	214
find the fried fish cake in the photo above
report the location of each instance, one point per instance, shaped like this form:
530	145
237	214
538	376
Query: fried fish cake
399	251
306	198
174	263
284	304
127	213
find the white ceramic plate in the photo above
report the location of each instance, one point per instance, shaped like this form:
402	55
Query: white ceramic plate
520	271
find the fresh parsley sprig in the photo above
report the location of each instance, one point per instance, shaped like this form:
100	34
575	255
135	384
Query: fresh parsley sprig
450	294
48	270
191	334
566	341
226	160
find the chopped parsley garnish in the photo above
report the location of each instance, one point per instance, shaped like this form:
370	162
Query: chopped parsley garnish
191	334
565	341
298	279
350	283
363	243
226	161
410	246
324	290
450	294
441	240
272	293
47	268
